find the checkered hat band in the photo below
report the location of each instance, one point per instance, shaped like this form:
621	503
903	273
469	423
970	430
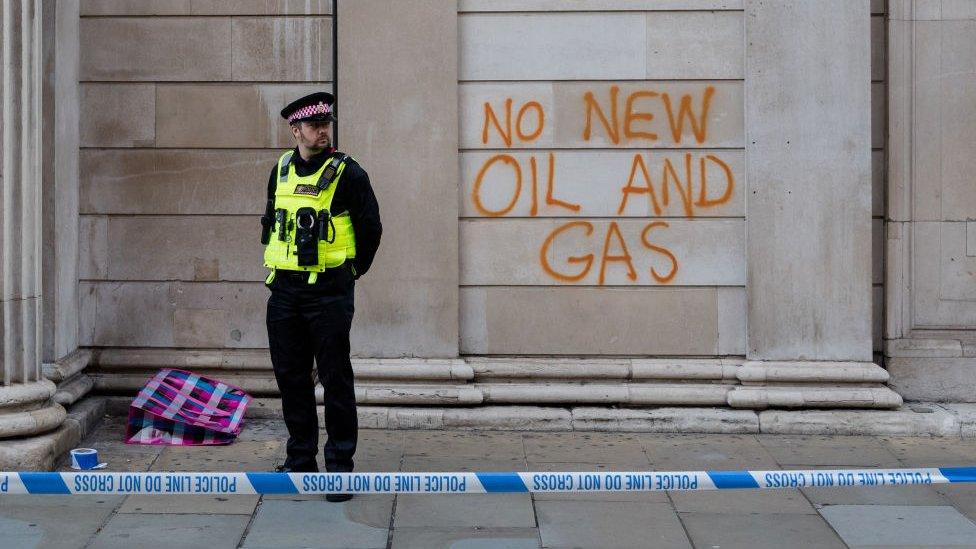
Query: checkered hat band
310	110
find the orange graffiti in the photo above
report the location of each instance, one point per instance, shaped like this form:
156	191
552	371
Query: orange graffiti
592	105
630	116
544	251
506	132
613	229
685	108
671	175
670	178
674	261
676	123
631	189
729	183
476	191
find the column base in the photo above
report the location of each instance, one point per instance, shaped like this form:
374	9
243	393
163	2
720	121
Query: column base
42	452
27	409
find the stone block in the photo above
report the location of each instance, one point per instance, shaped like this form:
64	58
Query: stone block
698	253
282	49
878	180
174	181
188	248
860	422
504	184
684	369
192	115
890	525
732	316
474	6
609	524
507	321
627	46
118	115
143	314
190	531
665	420
759	531
939	379
156	49
923	348
717	107
206	7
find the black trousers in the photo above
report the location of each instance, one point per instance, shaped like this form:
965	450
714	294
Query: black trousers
309	322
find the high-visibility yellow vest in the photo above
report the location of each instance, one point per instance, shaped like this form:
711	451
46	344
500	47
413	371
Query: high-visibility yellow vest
295	192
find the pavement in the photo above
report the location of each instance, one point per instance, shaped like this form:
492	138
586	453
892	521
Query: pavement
917	516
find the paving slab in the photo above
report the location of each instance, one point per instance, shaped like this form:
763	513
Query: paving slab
932	452
459	443
771	531
621	448
379	451
879	495
464	510
825	451
608	524
960	496
465	538
899	525
702	452
734	502
308	523
239	456
53	521
183	531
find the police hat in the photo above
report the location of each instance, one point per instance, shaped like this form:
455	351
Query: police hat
315	106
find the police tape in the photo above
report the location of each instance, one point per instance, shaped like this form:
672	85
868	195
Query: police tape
101	482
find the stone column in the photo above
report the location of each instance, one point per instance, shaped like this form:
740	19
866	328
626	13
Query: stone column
808	207
26	405
397	109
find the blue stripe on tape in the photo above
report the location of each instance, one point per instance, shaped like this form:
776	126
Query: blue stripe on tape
732	479
959	474
44	483
502	482
272	483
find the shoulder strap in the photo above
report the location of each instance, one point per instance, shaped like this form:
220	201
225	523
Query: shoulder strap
333	169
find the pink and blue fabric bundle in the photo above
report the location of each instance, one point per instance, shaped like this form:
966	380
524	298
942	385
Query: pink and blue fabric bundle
182	408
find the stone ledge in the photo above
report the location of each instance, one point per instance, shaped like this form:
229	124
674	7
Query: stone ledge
68	366
860	422
665	420
759	397
811	372
73	389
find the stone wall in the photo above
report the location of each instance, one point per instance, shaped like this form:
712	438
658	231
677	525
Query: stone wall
179	129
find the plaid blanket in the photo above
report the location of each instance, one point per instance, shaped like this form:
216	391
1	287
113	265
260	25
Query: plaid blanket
186	409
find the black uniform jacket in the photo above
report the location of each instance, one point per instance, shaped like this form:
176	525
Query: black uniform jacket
354	194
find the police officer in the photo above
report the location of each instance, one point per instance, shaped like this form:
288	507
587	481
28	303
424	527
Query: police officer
321	229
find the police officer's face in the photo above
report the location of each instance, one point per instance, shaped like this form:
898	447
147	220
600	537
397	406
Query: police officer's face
313	134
